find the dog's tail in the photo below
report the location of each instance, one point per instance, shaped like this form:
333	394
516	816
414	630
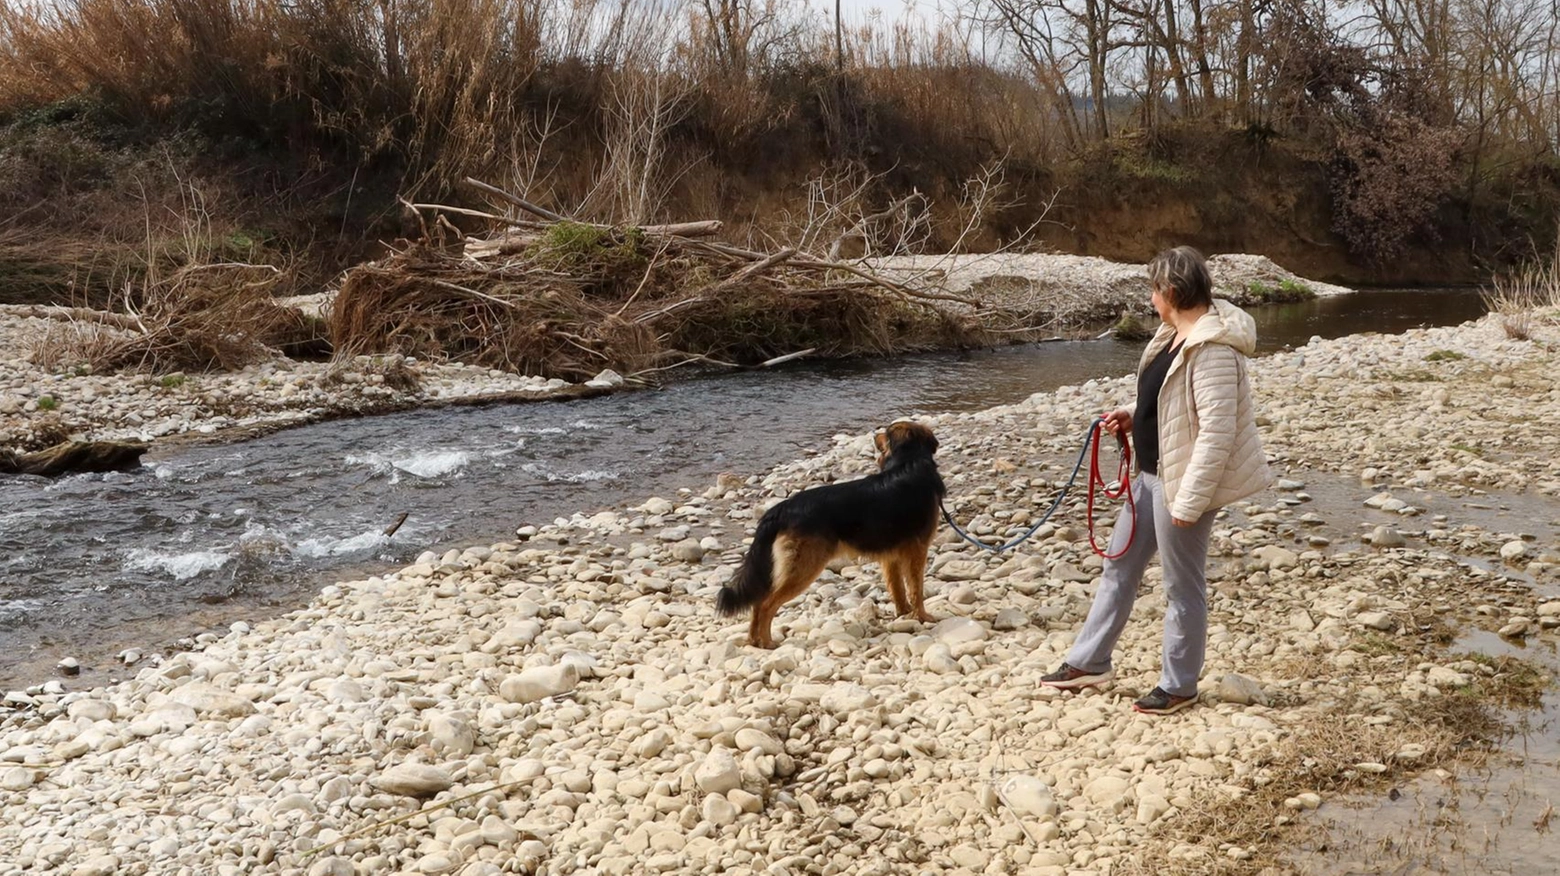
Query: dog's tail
753	580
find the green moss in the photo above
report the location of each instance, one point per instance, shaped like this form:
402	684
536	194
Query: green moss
1294	290
1285	291
1445	356
1147	167
47	403
1132	327
593	249
1514	682
1376	645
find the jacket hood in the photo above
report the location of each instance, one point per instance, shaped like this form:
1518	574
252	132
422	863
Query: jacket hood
1224	323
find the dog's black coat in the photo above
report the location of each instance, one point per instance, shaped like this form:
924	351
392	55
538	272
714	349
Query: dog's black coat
873	515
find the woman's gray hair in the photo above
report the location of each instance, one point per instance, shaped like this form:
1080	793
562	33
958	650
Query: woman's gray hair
1181	275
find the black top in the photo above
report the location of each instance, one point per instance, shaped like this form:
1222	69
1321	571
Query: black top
1145	421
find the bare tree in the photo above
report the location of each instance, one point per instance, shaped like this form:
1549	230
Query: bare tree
1059	39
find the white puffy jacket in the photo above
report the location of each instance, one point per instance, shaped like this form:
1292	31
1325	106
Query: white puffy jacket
1209	452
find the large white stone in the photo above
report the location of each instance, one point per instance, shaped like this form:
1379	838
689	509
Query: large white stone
718	772
452	734
844	699
92	710
961	570
1028	796
16	779
1239	689
98	865
1512	551
1276	556
413	780
1443	677
957	630
750	739
539	682
719	811
1108	792
211	701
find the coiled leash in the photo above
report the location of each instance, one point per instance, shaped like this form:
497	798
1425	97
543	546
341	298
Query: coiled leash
1123	487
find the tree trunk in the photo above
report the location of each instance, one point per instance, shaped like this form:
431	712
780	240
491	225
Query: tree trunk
1200	53
1172	47
1243	99
74	456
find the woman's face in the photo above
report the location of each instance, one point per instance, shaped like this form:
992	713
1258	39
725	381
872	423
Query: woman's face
1161	304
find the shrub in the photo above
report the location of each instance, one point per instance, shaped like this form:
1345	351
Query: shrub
1389	175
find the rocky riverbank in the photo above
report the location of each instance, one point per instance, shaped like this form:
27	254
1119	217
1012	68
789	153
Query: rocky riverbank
40	406
568	702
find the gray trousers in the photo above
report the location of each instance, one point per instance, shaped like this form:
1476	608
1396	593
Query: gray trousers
1183	552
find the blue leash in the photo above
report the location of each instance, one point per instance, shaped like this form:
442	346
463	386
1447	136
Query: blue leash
1088	438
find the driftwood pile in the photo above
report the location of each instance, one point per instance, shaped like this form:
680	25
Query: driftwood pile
547	295
214	317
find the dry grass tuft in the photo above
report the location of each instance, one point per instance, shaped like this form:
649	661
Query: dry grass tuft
201	318
1527	296
47	431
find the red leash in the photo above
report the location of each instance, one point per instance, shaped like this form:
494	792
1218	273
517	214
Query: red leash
1123	487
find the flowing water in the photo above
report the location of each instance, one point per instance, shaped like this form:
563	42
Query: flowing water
203	536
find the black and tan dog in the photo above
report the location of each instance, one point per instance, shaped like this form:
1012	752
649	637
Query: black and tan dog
888	517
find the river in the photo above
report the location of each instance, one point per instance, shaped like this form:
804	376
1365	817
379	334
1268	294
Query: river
203	536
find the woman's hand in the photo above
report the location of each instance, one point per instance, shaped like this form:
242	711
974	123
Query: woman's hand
1118	422
1182	523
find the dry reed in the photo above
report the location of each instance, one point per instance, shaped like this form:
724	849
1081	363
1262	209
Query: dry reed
1527	296
217	317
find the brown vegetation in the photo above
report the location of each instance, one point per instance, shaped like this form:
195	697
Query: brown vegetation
1526	295
569	299
310	117
211	317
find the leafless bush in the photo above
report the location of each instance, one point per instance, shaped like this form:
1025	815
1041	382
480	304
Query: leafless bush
634	181
845	216
76	344
201	318
1388	178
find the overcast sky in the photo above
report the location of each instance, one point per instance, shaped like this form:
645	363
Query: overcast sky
858	10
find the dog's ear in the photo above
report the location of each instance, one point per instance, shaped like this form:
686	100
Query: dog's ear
907	434
880	438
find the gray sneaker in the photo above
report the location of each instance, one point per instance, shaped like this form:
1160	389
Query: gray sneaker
1157	702
1070	677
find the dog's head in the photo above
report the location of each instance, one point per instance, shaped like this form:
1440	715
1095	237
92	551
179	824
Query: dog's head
904	439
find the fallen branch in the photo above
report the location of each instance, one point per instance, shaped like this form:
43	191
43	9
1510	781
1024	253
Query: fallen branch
786	358
390	530
479	214
80	314
700	228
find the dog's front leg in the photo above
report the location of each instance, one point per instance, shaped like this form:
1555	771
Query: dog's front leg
894	577
916	584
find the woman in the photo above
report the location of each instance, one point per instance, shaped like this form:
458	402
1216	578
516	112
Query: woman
1195	432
